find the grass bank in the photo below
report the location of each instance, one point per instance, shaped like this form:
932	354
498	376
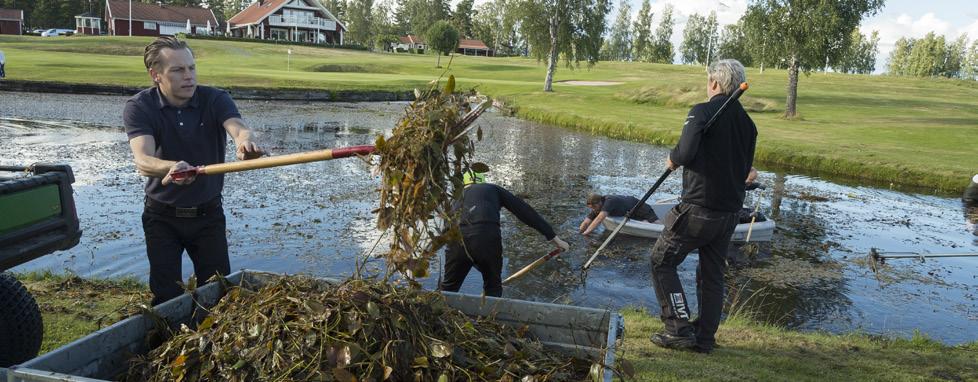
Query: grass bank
906	131
73	307
749	351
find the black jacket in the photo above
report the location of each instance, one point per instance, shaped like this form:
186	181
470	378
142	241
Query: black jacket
715	165
481	204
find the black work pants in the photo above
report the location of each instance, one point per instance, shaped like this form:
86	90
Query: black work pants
484	245
689	227
167	236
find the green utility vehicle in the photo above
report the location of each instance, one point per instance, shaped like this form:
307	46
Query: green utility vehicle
37	217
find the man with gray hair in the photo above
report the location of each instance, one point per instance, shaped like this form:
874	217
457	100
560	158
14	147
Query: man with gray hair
716	164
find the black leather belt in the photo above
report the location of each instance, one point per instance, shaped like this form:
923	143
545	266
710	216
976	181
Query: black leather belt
202	209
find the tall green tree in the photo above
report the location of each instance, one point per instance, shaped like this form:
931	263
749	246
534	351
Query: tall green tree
359	20
184	3
699	39
569	28
927	56
226	9
462	17
642	33
899	62
383	30
971	63
417	16
662	50
484	24
47	14
442	38
498	24
619	44
759	35
733	44
807	33
860	57
955	57
336	7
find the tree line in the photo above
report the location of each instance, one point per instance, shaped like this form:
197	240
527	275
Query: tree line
800	36
934	56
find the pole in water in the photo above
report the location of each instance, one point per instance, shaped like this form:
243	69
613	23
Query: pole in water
880	257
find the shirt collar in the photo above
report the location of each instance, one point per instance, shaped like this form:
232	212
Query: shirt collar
194	102
711	98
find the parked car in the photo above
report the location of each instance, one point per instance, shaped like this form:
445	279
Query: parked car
57	32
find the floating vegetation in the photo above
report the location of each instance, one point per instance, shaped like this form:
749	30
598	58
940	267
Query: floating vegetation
421	166
302	329
796	273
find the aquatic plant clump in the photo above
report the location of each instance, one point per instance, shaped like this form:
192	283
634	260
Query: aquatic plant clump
302	329
421	166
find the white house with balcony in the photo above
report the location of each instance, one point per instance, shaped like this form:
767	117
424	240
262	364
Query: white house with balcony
289	20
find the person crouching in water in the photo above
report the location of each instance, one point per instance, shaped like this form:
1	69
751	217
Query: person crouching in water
481	244
603	206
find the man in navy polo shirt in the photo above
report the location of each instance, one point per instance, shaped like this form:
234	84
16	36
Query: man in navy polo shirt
172	126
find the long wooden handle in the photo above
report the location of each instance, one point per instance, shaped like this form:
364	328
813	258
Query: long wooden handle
283	160
532	265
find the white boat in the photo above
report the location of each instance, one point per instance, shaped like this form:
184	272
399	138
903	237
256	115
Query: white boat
762	231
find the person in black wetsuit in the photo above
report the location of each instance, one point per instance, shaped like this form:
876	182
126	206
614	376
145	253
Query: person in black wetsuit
481	244
603	206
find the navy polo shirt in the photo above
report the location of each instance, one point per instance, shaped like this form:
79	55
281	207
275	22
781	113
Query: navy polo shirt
193	133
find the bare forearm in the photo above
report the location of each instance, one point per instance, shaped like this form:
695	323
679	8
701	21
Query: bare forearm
584	224
596	222
237	130
152	166
243	135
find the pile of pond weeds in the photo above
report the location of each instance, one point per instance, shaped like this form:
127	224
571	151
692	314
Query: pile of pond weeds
421	166
302	329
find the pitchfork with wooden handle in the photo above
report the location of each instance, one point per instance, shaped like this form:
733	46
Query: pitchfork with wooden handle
314	156
281	160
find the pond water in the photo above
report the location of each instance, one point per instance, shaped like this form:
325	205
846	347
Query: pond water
315	218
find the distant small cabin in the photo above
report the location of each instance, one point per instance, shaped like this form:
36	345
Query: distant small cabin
473	48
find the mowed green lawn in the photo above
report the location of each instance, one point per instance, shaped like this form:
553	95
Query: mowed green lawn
917	132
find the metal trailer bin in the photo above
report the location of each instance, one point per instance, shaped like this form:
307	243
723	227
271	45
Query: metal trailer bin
586	332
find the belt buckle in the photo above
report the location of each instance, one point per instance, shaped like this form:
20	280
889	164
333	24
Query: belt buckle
186	212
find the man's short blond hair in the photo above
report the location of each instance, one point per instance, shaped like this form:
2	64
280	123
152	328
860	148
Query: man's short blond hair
728	73
151	57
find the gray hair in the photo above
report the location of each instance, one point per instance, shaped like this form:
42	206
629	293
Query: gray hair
728	73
